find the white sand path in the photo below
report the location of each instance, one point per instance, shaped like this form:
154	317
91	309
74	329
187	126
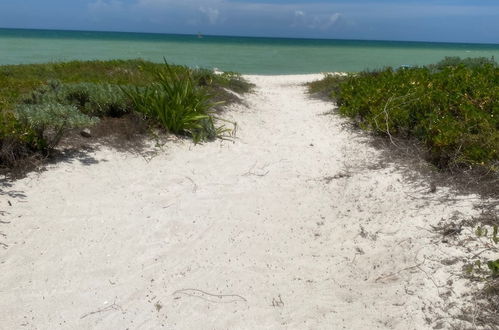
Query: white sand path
295	224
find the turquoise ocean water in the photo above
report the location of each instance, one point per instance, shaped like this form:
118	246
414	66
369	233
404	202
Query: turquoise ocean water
242	54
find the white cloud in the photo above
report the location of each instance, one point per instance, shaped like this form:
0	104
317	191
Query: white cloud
333	19
154	3
106	6
160	4
212	14
299	13
219	15
315	21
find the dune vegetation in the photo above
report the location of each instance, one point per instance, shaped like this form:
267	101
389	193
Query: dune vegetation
41	103
451	107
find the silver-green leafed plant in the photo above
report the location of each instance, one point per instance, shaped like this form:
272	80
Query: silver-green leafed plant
49	121
96	99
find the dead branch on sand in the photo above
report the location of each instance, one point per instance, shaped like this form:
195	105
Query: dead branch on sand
206	295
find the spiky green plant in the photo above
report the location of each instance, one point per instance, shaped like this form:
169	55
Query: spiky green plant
177	104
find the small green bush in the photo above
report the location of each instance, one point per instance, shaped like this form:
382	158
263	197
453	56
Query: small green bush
494	267
472	63
102	100
47	93
327	86
454	110
177	104
98	99
231	80
14	140
49	121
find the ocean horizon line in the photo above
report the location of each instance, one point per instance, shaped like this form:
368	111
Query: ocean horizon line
247	54
197	35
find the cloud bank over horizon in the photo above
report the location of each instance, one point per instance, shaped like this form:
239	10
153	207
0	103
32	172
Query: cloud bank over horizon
426	20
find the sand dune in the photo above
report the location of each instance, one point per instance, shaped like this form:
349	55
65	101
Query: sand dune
296	224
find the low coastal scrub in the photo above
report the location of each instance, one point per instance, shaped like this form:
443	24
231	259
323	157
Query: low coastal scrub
101	100
48	122
19	80
41	103
452	107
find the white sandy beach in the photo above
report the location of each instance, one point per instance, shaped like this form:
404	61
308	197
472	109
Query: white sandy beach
296	224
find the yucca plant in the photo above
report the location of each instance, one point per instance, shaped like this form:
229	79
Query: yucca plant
177	104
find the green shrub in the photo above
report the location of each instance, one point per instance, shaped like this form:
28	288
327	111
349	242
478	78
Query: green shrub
19	80
102	100
95	88
14	140
494	267
327	86
472	63
231	80
38	102
98	99
454	111
49	121
177	104
47	93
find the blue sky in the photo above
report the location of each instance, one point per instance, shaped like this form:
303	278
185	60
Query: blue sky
424	20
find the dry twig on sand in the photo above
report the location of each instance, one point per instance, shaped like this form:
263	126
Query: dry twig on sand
105	309
206	295
262	171
194	185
